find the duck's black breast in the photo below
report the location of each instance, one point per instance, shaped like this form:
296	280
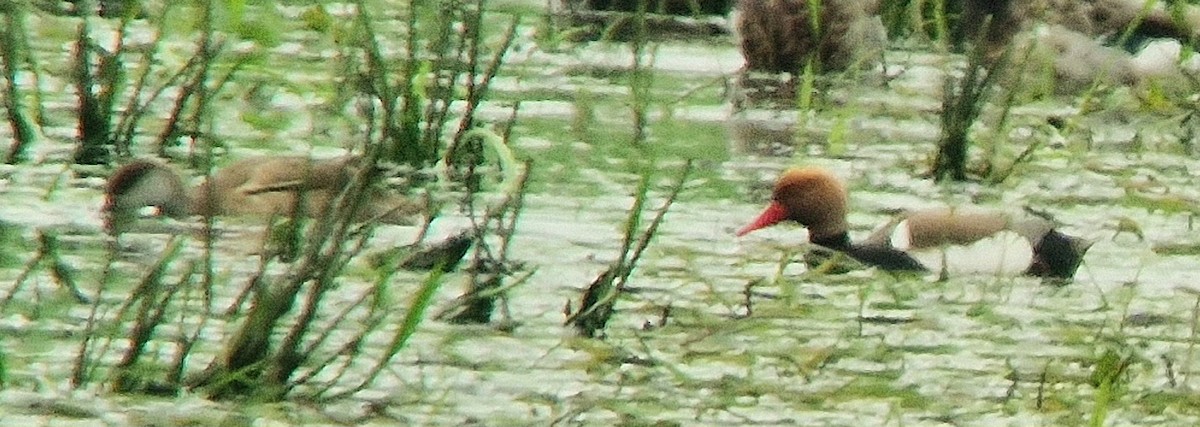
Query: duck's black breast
882	256
885	257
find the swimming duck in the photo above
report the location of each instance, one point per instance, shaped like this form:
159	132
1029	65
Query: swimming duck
1076	39
260	186
781	36
955	240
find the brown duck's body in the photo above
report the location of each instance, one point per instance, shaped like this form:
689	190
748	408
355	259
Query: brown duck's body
1076	40
960	239
780	35
1091	18
260	186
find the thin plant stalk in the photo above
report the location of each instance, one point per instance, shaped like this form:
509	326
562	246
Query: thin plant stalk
1193	336
640	77
487	284
994	174
147	289
149	316
412	318
178	366
207	50
941	27
351	347
135	110
806	90
80	368
14	48
26	271
477	90
62	273
596	305
289	355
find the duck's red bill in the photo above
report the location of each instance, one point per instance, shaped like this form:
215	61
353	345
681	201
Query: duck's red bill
773	214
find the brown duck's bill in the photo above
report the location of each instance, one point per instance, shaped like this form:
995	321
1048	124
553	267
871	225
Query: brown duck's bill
774	213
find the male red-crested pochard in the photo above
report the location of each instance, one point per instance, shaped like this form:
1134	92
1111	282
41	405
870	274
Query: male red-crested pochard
259	186
932	240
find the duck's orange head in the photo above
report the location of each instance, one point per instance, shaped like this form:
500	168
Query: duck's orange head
813	197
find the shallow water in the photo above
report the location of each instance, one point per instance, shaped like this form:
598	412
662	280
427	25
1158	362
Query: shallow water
863	348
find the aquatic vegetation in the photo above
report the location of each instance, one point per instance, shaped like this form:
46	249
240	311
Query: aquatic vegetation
963	101
14	54
596	305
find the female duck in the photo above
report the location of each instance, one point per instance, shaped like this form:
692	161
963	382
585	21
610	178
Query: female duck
959	240
261	186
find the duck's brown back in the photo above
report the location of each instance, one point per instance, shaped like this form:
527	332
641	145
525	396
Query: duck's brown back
931	228
270	185
263	186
